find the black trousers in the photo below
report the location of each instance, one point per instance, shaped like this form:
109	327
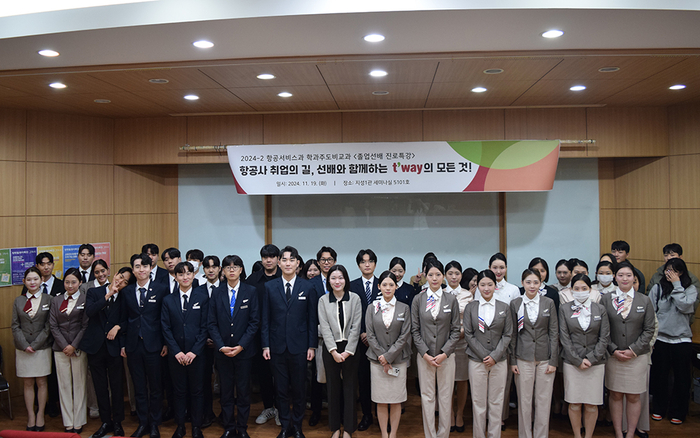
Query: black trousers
234	381
107	374
166	381
666	359
145	369
187	387
341	391
364	380
290	382
262	370
208	357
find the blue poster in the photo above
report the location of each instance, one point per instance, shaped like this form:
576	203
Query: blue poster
22	259
70	257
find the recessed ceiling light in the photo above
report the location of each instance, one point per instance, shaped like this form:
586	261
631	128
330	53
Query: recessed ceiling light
478	90
578	88
676	87
57	85
158	81
380	93
285	94
266	76
554	33
203	44
608	69
374	38
192	97
493	71
378	73
48	53
102	101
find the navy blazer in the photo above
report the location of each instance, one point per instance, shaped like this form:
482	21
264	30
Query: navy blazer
358	286
147	323
405	294
317	283
102	320
162	276
289	325
240	329
185	331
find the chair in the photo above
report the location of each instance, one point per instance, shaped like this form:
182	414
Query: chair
5	385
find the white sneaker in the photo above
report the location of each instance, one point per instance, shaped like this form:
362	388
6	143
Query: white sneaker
266	415
277	418
94	413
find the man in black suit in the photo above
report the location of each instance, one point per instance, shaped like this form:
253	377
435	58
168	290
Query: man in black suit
367	288
184	321
86	255
211	265
289	338
158	274
269	257
171	257
144	344
234	319
103	341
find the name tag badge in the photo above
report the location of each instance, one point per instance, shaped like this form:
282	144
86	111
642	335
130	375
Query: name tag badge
640	310
447	310
80	307
244	307
195	306
400	319
596	318
151	300
45	307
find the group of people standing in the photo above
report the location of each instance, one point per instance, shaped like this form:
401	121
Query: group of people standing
446	325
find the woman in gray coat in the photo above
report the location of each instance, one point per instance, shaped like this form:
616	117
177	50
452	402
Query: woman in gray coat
388	324
32	337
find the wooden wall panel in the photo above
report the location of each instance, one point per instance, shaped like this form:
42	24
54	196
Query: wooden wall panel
648	267
463	125
684	129
63	138
64	230
16	383
515	121
145	189
608	230
641	183
132	231
69	189
606	183
150	141
13	232
647	231
383	126
13	134
685	230
7	298
13	176
685	181
548	124
302	128
626	132
221	130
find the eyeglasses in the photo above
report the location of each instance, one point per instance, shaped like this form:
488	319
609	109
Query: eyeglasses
233	268
328	260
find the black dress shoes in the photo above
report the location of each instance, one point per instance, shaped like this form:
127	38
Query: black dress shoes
283	434
197	432
155	433
298	433
180	432
78	431
140	431
243	434
230	434
208	420
103	430
314	419
118	429
365	423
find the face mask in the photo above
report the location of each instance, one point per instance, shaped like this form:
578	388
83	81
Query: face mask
195	265
605	279
581	296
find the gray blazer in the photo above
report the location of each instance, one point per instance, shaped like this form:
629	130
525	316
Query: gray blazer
495	339
637	330
330	324
538	342
31	332
577	344
394	343
435	336
68	329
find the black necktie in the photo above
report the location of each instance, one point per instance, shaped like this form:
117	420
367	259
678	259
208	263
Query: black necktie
110	302
176	287
46	288
184	304
142	296
151	275
289	291
85	277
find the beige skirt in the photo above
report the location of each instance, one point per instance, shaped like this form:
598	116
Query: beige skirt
584	386
36	364
627	377
386	388
461	361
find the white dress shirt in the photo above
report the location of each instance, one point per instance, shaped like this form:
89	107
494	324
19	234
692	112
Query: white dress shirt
437	295
211	286
487	310
138	293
